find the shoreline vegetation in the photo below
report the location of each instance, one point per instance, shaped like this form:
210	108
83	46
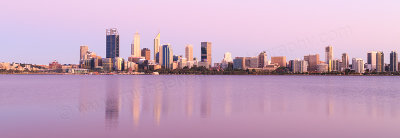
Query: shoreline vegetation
205	71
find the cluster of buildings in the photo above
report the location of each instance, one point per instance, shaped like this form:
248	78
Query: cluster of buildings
140	59
164	58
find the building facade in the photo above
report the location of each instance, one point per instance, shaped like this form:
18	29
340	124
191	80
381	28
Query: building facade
166	56
146	53
135	46
189	52
358	65
112	43
380	62
313	61
206	52
281	61
345	62
394	63
371	59
156	47
329	57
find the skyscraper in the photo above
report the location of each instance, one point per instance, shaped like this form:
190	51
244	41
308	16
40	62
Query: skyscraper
358	65
83	51
156	46
329	57
112	43
135	46
166	56
189	52
313	61
146	53
371	59
345	62
206	52
262	59
394	65
380	62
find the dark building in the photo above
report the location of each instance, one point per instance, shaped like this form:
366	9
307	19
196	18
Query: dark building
112	43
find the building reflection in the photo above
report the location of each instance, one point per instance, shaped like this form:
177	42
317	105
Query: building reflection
157	106
112	102
84	105
205	99
136	102
189	102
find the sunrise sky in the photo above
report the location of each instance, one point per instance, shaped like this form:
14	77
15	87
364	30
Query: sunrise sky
39	31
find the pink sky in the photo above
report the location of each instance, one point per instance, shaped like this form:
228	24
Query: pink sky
43	30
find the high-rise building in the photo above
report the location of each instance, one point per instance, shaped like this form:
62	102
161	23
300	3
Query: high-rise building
394	64
262	59
313	61
239	63
358	65
336	65
206	52
112	43
135	46
281	61
166	56
329	57
345	62
156	47
146	53
251	62
83	51
380	62
371	59
298	66
189	52
227	59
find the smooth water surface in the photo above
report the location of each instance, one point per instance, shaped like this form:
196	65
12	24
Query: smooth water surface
87	106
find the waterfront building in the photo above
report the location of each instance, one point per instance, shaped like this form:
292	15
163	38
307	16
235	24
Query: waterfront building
206	52
156	47
83	51
298	66
112	43
329	57
189	52
358	65
251	62
371	59
380	62
322	68
262	59
336	65
345	62
166	56
394	62
118	64
227	59
182	62
313	61
281	61
108	64
146	53
135	46
239	63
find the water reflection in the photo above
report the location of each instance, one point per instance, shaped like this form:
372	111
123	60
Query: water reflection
136	102
112	102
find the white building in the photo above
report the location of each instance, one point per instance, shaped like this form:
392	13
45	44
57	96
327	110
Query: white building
358	65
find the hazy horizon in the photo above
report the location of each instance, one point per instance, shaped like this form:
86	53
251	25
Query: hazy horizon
41	31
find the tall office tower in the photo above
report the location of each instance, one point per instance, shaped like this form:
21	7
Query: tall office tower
371	59
394	65
189	52
345	62
112	43
84	50
166	56
156	46
146	53
206	52
336	65
313	61
358	65
262	59
135	46
329	57
380	62
281	61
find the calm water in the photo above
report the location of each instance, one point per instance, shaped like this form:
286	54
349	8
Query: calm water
199	106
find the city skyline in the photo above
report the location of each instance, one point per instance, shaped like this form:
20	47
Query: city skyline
38	32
